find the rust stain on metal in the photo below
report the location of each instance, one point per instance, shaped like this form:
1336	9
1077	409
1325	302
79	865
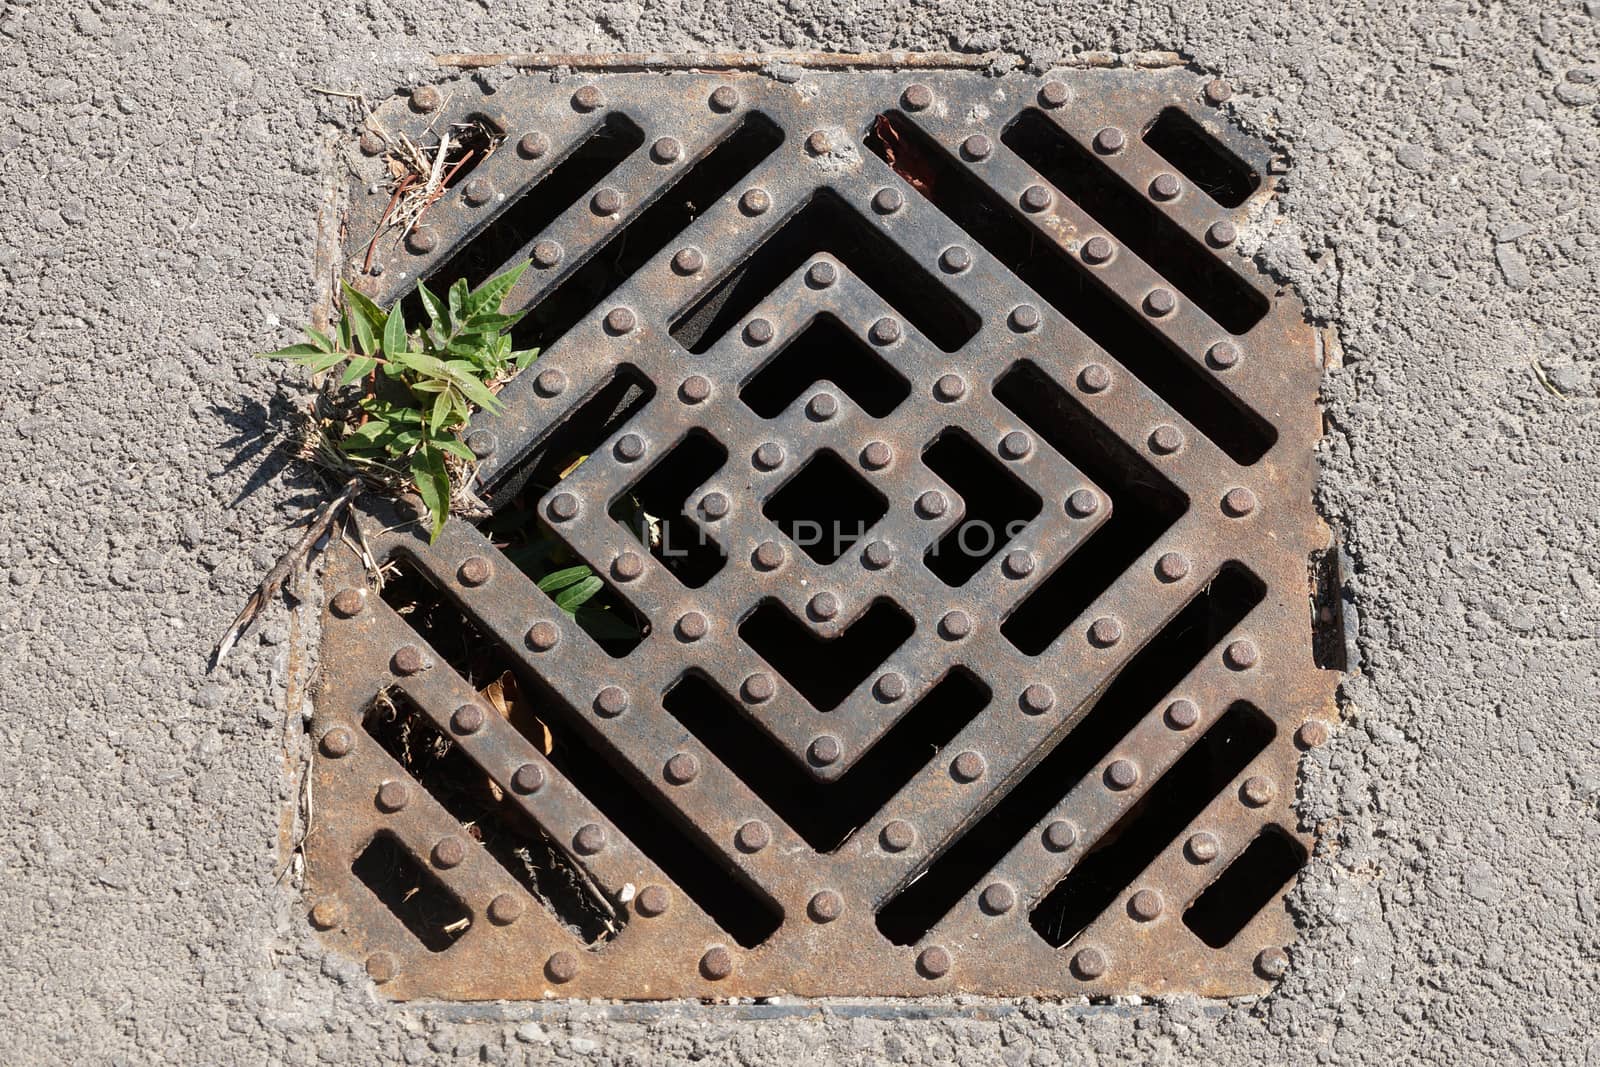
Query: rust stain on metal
1031	727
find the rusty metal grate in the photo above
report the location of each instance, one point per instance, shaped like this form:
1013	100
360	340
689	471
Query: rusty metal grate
1027	725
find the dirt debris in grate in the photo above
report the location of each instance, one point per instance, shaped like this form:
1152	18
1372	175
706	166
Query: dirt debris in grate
944	473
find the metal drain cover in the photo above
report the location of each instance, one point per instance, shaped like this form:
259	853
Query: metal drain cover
947	476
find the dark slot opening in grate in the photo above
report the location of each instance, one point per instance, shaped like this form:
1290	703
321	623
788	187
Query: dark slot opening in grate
826	671
825	508
1238	736
1202	158
826	351
1143	506
1131	218
408	889
997	506
662	495
825	814
1072	289
1248	885
1144	679
489	816
827	224
682	851
630	247
614	139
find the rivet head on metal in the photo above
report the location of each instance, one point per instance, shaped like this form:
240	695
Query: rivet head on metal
620	321
955	625
724	98
755	202
949	388
759	688
1222	234
1166	187
1313	733
1018	564
587	98
824	750
546	254
1089	964
1016	445
1202	847
1241	655
955	259
1223	355
1257	791
822	407
382	967
1038	699
1272	963
348	603
589	839
666	150
550	382
422	240
1145	905
682	768
563	507
1105	632
629	447
543	636
997	898
1094	378
393	796
468	719
977	147
1165	440
505	909
877	555
1024	318
823	606
885	331
819	143
371	143
408	660
967	767
326	914
887	201
1110	140
692	626
933	962
1159	302
528	778
1122	774
533	145
688	261
897	835
561	967
821	275
917	97
1054	94
1083	503
695	388
338	742
627	566
1097	249
477	192
1239	502
876	455
474	570
769	555
1036	198
1217	92
757	332
653	900
890	686
769	455
1172	567
426	98
611	701
825	906
482	443
716	964
1060	836
449	852
753	836
1182	714
932	504
715	505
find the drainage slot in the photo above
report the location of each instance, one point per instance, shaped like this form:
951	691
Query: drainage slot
826	351
1160	665
1132	219
821	670
653	509
613	140
998	506
827	224
1072	289
630	247
505	831
1143	506
825	814
1238	736
433	914
1248	885
826	507
681	850
1201	158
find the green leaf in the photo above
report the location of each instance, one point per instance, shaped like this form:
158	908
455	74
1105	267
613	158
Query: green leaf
320	339
457	304
523	357
422	363
360	367
433	485
300	353
344	332
556	581
442	410
570	600
366	319
437	313
487	297
456	447
475	390
404	441
394	332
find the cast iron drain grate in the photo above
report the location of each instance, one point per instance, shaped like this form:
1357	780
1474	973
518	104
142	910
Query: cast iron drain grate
949	478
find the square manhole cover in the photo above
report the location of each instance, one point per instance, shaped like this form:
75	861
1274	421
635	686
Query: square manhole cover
947	478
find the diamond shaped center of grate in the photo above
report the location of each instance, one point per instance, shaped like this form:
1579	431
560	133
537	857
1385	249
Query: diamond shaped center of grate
945	475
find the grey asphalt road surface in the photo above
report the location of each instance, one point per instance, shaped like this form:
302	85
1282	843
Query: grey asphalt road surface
164	163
